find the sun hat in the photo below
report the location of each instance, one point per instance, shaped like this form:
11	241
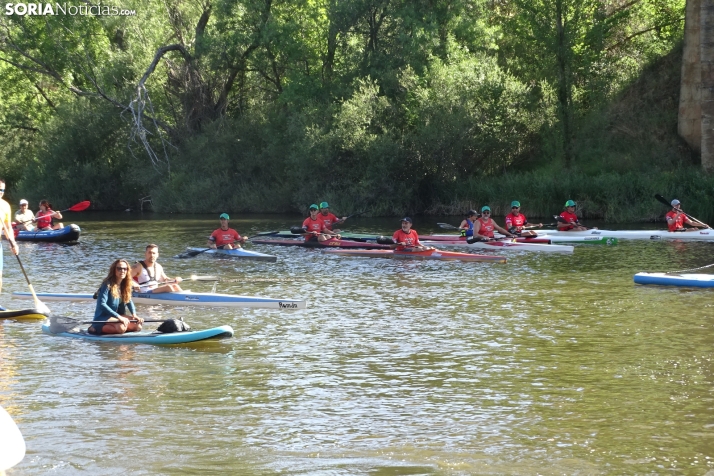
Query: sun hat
515	203
324	205
314	207
569	203
485	208
23	202
224	216
407	219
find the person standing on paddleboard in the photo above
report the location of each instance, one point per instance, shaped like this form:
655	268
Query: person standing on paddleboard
408	239
328	218
150	275
568	220
314	227
225	238
676	219
5	217
467	225
484	226
516	221
114	304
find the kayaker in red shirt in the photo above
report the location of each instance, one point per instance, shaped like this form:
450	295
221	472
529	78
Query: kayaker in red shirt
315	228
225	238
328	218
676	219
516	221
408	239
568	220
484	226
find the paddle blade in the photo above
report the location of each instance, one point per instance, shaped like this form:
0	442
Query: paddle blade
383	240
203	278
80	207
447	226
190	253
59	324
662	200
296	230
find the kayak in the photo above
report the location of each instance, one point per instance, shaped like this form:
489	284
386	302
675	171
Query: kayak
503	245
698	235
544	238
11	442
22	313
664	279
64	235
146	337
422	255
450	238
331	243
237	253
345	235
183	298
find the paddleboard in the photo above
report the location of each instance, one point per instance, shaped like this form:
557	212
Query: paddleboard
153	338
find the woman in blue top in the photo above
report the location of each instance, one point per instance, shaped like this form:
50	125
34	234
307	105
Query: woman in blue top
467	226
114	303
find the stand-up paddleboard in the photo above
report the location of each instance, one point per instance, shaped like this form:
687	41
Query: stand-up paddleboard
12	444
153	338
419	255
664	279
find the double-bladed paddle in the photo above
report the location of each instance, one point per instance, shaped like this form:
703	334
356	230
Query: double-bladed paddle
668	203
78	207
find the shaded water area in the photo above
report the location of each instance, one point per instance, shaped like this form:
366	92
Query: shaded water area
549	364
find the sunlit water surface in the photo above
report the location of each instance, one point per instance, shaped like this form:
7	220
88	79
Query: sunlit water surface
549	364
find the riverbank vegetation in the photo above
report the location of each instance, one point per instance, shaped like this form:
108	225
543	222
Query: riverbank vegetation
386	106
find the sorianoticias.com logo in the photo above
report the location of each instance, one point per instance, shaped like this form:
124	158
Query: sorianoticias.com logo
23	9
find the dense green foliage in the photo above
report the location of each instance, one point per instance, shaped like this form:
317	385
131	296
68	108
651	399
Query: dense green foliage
391	106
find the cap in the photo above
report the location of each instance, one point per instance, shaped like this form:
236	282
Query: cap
313	207
23	202
472	213
569	203
407	219
224	216
485	208
674	202
515	203
324	205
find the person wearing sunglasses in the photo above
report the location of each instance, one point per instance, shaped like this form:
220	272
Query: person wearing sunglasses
516	222
5	218
114	304
225	238
314	227
485	226
568	220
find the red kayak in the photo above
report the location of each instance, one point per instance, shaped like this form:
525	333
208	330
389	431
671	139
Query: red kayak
520	239
431	254
331	243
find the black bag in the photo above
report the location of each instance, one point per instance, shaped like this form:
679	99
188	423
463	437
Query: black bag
173	325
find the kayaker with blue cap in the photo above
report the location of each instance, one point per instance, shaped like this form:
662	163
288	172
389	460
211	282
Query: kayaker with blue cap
516	221
485	226
408	239
329	218
225	238
314	227
676	219
568	220
467	225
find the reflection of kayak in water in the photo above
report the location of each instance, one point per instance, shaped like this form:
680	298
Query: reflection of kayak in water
12	445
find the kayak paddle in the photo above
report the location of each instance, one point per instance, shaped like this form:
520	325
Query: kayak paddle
668	203
78	207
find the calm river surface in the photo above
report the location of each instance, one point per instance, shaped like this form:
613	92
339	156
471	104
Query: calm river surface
549	364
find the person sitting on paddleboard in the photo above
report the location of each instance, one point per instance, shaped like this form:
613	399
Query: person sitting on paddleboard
328	218
150	275
24	217
114	304
676	219
45	218
408	239
568	220
314	227
484	226
225	238
467	225
516	221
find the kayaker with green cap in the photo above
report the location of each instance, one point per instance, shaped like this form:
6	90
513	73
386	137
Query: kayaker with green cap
225	238
516	221
568	220
328	218
315	228
484	226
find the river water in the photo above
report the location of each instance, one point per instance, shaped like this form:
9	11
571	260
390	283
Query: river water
549	364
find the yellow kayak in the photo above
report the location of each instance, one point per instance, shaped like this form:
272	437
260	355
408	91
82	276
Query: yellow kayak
22	314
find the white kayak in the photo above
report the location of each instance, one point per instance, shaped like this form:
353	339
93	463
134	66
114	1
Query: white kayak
183	298
664	279
706	234
12	444
236	253
503	246
546	235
